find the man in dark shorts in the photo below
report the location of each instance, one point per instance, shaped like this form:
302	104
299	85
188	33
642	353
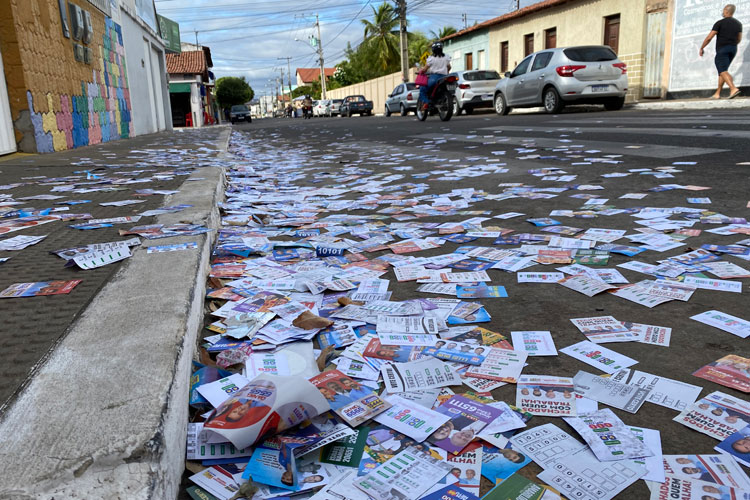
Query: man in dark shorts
728	33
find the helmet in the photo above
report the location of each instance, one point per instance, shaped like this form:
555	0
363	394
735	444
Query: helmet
437	47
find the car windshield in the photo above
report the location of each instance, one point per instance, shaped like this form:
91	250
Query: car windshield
411	86
338	101
357	98
239	107
476	76
590	54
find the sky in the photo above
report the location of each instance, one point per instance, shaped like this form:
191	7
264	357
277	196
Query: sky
247	38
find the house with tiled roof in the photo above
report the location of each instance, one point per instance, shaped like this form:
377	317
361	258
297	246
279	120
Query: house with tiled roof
503	42
190	84
306	76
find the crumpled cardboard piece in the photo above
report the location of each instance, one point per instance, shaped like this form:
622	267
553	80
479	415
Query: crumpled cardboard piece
345	301
322	360
309	321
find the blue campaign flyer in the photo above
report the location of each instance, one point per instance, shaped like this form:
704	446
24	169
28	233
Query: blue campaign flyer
737	445
273	467
499	464
450	492
479	316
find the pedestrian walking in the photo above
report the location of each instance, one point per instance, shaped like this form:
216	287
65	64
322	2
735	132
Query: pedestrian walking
728	33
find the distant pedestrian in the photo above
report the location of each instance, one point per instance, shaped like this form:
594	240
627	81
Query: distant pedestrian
728	33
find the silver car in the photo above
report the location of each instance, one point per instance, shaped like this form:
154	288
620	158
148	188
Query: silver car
403	99
336	106
476	89
554	78
322	107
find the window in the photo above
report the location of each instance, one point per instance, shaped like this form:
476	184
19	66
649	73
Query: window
411	86
469	60
480	57
541	61
528	44
398	90
593	53
521	68
612	31
477	76
503	57
550	38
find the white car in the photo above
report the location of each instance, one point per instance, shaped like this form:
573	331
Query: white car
322	108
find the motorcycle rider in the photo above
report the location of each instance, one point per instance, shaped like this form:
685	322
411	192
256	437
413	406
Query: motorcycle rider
307	104
438	65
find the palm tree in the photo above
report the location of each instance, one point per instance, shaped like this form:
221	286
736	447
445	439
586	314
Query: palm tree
444	31
382	33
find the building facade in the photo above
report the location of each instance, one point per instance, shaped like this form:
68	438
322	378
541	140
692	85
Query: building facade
65	73
146	65
469	52
190	85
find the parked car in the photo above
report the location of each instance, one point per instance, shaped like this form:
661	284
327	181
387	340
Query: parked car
336	106
554	78
403	99
476	89
322	108
356	104
240	112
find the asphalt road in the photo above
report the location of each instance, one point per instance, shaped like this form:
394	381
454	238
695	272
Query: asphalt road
716	141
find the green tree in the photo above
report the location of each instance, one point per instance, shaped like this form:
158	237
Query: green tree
419	48
444	31
231	90
304	90
381	33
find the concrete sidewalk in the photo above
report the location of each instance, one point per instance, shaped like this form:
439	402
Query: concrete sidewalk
104	415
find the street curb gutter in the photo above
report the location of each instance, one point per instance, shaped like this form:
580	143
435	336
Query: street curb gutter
105	416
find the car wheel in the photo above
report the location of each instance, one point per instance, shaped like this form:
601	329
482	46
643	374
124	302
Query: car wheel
403	110
456	108
387	110
551	100
614	104
501	106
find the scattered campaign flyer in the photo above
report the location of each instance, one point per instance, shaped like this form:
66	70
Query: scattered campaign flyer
650	334
498	464
424	374
39	289
585	284
526	277
729	371
717	469
546	395
737	445
604	329
726	322
452	492
534	343
517	487
466	469
718	415
352	401
219	391
406	476
267	405
546	444
410	419
663	391
629	398
199	447
172	248
467	419
608	436
503	365
599	357
459	352
693	489
274	467
346	452
480	291
218	481
406	324
585	477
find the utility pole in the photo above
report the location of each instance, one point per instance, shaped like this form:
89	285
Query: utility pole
518	4
196	39
322	66
281	86
404	40
465	20
289	75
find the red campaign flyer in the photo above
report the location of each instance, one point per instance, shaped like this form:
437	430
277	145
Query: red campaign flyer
730	371
38	288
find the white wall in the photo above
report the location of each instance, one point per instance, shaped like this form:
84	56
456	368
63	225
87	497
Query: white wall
147	78
692	22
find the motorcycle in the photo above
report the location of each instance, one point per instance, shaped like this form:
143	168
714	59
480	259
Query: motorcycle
307	111
441	100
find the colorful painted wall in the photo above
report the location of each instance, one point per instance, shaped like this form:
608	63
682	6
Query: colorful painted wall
58	103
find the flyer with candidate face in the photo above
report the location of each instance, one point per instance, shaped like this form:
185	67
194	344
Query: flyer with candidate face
718	415
467	419
352	401
730	371
546	395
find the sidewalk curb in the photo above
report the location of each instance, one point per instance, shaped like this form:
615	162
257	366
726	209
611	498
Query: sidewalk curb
105	416
694	104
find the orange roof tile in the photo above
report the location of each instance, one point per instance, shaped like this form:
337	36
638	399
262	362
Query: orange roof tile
309	75
193	62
